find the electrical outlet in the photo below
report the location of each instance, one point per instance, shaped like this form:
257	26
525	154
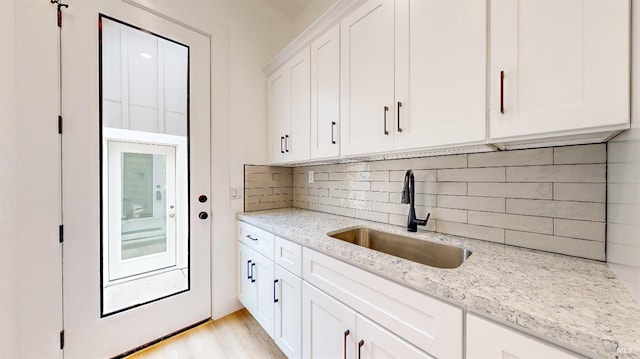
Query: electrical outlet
310	176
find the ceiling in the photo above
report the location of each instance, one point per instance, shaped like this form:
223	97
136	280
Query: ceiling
290	8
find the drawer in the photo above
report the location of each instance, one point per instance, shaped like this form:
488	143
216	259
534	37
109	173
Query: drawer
428	323
288	255
258	239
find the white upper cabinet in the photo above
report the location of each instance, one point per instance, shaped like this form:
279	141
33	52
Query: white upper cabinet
413	75
440	74
290	110
367	79
558	67
325	94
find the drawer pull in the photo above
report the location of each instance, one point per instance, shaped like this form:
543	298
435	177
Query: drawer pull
333	125
252	266
281	140
249	269
344	345
502	92
399	105
251	238
386	109
275	300
360	344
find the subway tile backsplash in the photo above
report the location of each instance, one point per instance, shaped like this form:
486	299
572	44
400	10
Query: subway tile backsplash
549	199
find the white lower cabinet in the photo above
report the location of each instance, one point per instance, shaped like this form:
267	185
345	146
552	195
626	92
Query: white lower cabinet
329	326
288	322
487	339
375	342
256	286
333	330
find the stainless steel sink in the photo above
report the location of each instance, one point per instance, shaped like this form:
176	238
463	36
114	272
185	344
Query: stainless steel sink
425	252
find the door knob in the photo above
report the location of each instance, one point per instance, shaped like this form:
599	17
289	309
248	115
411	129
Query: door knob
203	215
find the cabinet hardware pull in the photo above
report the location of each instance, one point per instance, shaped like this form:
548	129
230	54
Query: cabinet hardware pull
248	269
281	139
344	346
360	344
275	300
333	125
251	238
399	105
386	109
252	266
286	143
502	92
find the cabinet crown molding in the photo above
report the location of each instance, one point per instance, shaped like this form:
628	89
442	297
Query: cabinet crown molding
322	24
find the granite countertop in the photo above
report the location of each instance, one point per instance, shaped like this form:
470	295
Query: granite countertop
577	303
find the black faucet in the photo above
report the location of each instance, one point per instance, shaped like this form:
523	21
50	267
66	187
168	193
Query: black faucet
409	196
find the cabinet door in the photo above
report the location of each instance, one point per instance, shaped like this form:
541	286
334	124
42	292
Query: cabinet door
297	139
486	339
264	309
367	79
328	326
287	296
325	94
246	289
440	73
565	66
279	89
379	343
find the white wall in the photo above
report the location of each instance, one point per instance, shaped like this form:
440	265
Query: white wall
246	34
623	184
308	15
8	196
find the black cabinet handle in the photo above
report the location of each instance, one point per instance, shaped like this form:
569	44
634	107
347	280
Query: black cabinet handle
386	109
502	92
281	139
399	105
333	125
249	269
360	344
286	143
344	345
251	238
252	266
203	215
275	300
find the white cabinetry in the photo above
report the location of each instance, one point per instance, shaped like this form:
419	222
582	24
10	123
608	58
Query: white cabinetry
430	324
289	110
558	68
486	339
325	94
413	75
256	286
270	286
333	330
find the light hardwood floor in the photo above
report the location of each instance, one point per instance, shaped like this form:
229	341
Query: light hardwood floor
237	335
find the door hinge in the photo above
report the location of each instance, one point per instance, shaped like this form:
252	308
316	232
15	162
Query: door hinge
60	124
61	233
62	339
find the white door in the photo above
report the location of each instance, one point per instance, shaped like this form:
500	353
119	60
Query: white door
246	289
329	327
136	178
375	342
262	273
440	73
287	295
279	88
367	79
325	94
558	66
297	142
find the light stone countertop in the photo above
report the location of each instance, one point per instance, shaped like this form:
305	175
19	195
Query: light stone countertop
577	303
